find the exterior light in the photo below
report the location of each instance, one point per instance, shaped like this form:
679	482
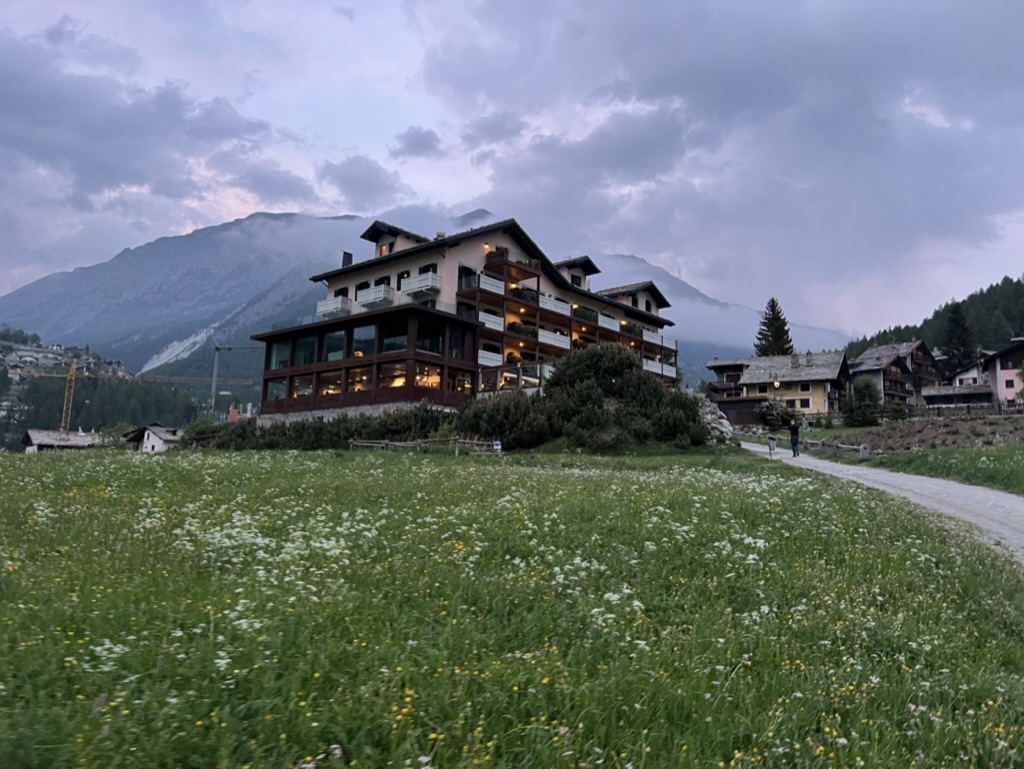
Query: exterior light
583	328
622	323
522	309
575	306
487	246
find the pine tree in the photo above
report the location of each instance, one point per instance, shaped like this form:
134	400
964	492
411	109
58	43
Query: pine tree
773	334
959	344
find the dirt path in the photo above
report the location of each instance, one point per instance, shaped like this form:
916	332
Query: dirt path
998	516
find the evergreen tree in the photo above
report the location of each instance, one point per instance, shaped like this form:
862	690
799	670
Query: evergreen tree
959	343
862	407
773	334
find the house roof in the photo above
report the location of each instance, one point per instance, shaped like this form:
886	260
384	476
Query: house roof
61	439
166	434
585	263
378	228
974	389
811	367
726	363
879	357
632	288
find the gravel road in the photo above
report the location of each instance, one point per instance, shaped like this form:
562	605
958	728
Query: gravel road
997	515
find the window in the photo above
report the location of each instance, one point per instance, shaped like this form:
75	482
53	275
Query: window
1009	384
343	291
383	249
391	247
384	280
278	356
576	280
634	301
393	334
364	340
430	336
305	352
790	403
805	403
402	276
460	382
277	389
362	286
302	386
432	267
762	389
330	383
805	387
332	346
391	375
457	344
647	305
428	376
359	379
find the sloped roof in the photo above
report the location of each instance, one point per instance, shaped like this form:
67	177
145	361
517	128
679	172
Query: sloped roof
726	363
378	228
632	288
59	439
166	434
879	357
822	367
585	263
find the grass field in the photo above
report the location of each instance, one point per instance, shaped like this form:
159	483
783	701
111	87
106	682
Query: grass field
999	467
372	610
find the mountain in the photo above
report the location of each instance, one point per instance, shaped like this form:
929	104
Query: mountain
163	301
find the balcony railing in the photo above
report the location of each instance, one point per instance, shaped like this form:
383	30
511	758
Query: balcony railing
378	296
650	336
662	369
333	307
493	285
547	303
427	283
485	358
556	340
609	323
492	321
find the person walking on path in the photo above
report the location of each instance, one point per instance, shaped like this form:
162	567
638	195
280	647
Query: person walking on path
794	437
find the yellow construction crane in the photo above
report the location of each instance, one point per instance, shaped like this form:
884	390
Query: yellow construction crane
69	393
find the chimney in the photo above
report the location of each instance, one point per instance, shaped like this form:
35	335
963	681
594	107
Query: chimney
794	360
808	357
439	234
346	258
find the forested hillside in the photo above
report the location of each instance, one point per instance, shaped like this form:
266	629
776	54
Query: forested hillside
995	315
98	404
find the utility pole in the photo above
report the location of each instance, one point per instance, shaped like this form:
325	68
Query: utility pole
216	365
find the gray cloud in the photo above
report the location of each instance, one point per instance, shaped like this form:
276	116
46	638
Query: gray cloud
261	176
495	128
750	143
364	183
103	134
417	142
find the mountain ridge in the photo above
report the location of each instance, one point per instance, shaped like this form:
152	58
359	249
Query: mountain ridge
231	279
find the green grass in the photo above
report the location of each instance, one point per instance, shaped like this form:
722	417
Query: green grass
998	467
371	609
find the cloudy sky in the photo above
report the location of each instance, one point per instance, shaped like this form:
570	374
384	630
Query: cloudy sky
862	160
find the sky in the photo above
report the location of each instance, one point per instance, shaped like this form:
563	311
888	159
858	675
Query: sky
861	160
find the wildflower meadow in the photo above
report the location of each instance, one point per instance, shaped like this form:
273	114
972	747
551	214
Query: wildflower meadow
332	609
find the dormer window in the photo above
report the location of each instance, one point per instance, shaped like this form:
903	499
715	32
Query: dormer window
577	281
634	300
647	305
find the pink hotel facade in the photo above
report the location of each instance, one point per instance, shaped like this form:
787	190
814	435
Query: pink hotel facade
443	319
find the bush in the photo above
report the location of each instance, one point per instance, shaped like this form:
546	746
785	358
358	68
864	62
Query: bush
774	414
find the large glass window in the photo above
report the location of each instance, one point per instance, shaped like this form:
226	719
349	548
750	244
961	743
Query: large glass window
332	347
402	276
393	334
460	382
359	379
430	335
277	389
428	376
364	340
305	351
384	280
457	344
391	375
278	355
432	267
330	383
302	386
